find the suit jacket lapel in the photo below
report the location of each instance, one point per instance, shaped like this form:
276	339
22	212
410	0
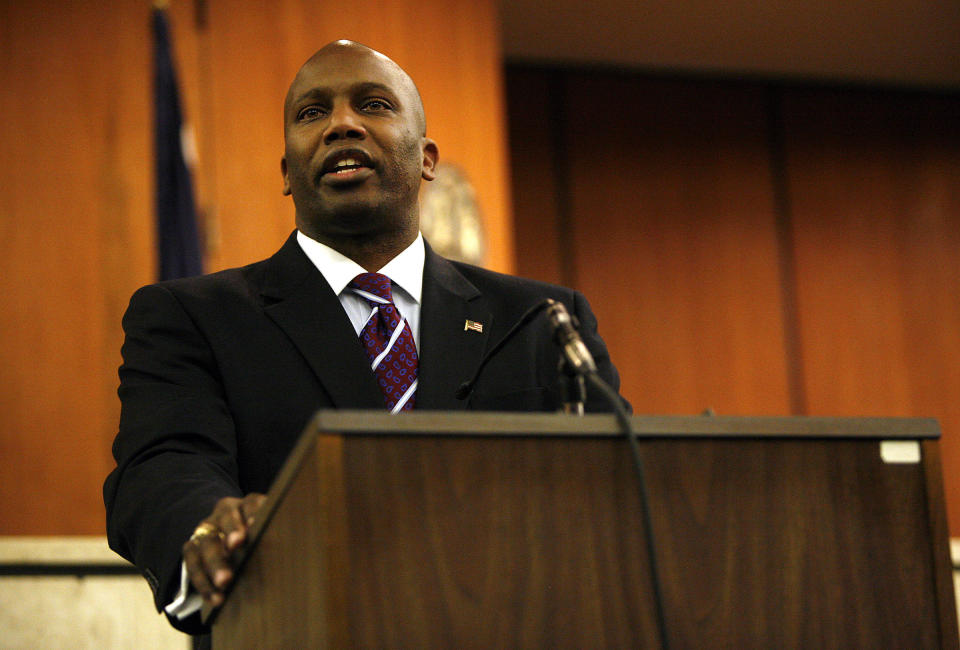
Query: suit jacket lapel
449	353
299	300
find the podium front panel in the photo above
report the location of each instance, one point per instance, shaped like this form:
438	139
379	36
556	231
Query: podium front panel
534	539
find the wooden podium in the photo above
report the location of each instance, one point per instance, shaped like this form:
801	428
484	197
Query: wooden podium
481	530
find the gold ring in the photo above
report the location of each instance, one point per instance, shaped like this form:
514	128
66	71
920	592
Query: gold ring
206	529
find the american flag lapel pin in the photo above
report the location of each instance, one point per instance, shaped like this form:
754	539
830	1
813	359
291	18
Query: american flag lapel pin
473	326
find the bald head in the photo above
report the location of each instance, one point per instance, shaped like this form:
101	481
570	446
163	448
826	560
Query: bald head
345	54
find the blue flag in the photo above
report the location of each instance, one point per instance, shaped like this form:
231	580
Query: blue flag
177	238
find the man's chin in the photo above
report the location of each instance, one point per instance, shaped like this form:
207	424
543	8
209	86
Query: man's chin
353	219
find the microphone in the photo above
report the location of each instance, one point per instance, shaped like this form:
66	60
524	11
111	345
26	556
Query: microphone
575	352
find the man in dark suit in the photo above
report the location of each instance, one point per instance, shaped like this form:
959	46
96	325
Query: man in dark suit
221	373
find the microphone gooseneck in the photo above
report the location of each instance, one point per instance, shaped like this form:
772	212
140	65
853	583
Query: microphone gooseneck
467	387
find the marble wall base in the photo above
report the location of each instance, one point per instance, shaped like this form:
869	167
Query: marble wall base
76	611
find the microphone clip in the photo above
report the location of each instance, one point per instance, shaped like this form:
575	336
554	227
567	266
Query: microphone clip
565	333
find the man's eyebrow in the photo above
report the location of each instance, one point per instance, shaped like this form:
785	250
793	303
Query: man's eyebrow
311	94
359	88
373	86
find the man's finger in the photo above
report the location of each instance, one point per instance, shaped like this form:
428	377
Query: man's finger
250	505
204	557
229	519
215	561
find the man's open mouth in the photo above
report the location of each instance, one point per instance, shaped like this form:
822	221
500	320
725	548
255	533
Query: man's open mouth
346	163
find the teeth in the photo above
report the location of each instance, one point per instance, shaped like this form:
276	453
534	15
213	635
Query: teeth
348	162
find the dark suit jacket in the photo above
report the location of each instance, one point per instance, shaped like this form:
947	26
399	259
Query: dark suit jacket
222	372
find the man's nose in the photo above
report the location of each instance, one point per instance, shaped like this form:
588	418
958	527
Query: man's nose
344	123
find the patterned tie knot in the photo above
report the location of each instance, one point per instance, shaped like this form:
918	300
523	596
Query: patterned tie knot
376	284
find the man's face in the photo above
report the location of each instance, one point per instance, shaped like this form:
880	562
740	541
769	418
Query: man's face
355	145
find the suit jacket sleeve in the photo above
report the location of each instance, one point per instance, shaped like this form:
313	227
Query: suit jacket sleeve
174	422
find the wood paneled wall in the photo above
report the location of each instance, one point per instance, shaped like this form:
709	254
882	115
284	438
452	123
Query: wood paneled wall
691	287
752	248
656	198
75	207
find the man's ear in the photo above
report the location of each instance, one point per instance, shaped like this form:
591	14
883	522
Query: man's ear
286	181
431	155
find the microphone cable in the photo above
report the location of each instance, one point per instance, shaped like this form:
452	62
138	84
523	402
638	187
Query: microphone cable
589	370
623	419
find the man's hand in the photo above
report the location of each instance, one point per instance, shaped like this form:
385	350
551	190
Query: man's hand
207	553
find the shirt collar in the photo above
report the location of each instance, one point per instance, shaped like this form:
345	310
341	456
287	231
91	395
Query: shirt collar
404	270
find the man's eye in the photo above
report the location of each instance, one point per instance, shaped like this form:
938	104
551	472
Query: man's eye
376	105
309	113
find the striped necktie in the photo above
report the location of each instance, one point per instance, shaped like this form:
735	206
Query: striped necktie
388	341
